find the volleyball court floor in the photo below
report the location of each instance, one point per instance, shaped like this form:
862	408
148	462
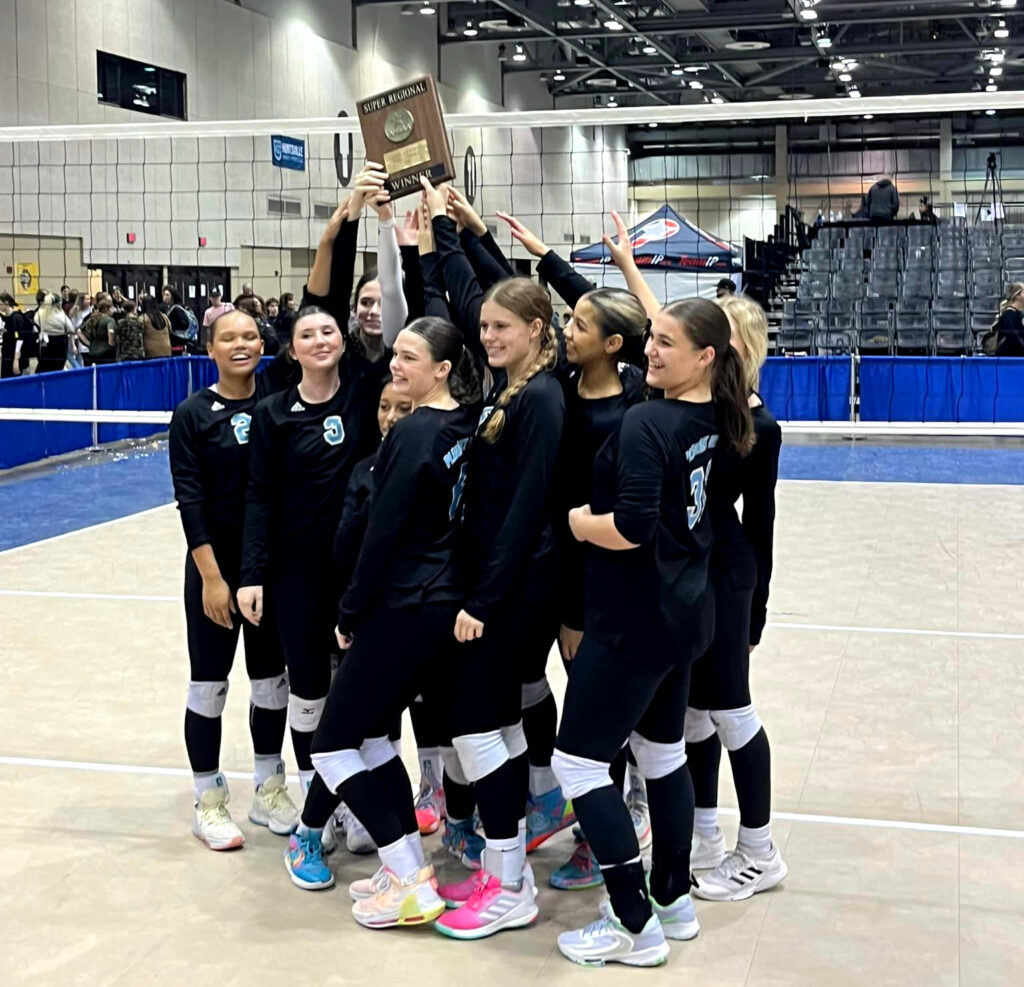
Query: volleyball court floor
890	680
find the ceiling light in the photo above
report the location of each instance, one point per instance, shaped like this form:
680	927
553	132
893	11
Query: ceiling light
1007	3
470	30
869	116
559	76
582	3
990	113
996	70
717	99
613	25
649	50
612	101
428	8
696	84
854	94
845	77
652	125
519	55
677	71
808	14
823	40
1001	31
796	96
991	88
698	67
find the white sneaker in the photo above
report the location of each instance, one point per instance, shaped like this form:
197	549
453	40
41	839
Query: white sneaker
212	822
741	875
678	920
641	816
608	941
708	852
272	807
357	839
367	887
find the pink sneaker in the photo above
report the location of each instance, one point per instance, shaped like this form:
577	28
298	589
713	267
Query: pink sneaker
490	908
460	892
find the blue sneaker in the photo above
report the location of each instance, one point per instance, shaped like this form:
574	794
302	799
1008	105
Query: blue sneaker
579	872
304	861
546	815
461	840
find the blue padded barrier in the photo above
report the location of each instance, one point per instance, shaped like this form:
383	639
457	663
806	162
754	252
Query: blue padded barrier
807	388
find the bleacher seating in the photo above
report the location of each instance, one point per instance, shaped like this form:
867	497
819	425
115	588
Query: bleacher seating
900	289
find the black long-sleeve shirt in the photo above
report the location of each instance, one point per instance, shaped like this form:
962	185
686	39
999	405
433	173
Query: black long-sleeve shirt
407	557
465	295
1011	333
560	274
352	525
209	457
742	551
434	301
412	282
301	457
654	599
510	498
489	264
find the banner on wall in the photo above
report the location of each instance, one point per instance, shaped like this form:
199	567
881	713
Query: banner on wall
26	279
288	152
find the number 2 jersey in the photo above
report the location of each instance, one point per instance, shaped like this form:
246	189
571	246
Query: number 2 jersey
209	455
654	600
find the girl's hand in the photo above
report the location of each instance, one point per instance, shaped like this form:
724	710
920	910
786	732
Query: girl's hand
344	641
465	215
426	231
408	234
578	518
437	198
217	602
338	217
369	189
620	248
531	241
467	628
250	603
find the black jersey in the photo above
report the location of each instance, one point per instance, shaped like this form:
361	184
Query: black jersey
352	525
408	553
742	551
510	498
654	599
209	455
590	423
301	457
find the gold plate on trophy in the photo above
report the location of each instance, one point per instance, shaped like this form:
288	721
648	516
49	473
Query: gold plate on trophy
398	126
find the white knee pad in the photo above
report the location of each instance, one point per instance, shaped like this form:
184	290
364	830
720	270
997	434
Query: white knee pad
336	767
579	775
304	714
269	693
534	693
736	727
453	766
697	726
657	760
207	698
481	754
515	739
376	751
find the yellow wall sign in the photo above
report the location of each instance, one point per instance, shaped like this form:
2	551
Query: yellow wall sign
26	278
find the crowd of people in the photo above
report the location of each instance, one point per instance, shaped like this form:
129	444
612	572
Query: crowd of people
73	329
429	488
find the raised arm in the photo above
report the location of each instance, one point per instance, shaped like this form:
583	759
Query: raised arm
622	253
558	273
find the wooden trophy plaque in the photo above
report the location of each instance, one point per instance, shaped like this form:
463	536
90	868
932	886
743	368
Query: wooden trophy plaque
403	129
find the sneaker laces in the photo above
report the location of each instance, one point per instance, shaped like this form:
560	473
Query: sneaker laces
425	799
313	849
736	862
216	814
278	799
582	856
476	897
599	927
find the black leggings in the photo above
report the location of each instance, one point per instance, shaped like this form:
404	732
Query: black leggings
211	653
388	665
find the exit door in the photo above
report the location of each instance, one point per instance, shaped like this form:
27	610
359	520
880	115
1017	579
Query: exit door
134	281
194	284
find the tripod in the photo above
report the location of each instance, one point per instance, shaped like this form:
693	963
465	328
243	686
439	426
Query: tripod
995	183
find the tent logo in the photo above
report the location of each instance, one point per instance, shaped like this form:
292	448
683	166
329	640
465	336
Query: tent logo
658	229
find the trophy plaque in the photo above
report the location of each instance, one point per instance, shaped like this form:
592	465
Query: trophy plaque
403	129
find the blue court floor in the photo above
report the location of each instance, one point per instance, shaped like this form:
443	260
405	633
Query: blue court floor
104	485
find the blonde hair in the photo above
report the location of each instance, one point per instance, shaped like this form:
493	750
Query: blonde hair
1013	291
529	302
752	327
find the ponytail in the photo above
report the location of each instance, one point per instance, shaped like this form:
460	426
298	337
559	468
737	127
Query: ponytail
464	381
729	390
445	343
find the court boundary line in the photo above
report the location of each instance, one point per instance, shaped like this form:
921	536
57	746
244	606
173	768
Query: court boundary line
102	767
772	624
88	527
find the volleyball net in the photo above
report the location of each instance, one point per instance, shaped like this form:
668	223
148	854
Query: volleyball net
709	190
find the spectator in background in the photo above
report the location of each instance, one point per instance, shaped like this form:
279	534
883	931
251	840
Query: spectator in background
725	288
129	335
216	308
1009	327
925	213
246	293
54	328
17	330
285	317
883	200
272	309
81	309
156	329
101	329
67	296
253	305
117	301
183	322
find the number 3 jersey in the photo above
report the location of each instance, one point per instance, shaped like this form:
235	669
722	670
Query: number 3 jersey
209	454
654	601
301	457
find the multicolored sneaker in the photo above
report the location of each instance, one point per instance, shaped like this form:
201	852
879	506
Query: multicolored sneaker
608	941
367	887
579	872
707	852
491	908
304	861
741	875
460	892
546	815
357	838
461	840
636	802
429	808
212	823
272	807
413	901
